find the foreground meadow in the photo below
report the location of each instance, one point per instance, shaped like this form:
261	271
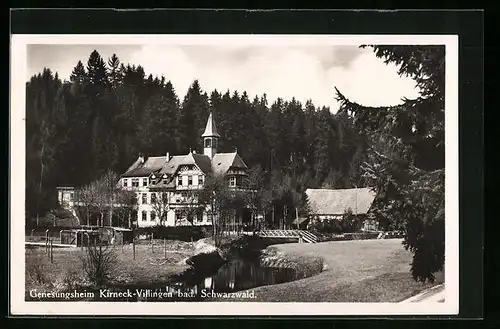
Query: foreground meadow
354	271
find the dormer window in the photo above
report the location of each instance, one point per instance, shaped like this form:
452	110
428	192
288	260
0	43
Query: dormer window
179	181
232	181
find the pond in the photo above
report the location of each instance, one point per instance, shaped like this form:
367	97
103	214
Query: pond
239	273
236	275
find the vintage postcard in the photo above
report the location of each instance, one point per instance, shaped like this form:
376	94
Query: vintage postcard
234	175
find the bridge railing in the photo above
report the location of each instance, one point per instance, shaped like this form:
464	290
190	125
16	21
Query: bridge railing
298	234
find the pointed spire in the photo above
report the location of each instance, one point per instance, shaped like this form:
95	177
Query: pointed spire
210	129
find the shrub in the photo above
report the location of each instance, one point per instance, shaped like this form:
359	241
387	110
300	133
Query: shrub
326	226
349	222
99	262
71	279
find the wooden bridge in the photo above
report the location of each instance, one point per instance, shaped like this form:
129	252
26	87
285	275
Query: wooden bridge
301	235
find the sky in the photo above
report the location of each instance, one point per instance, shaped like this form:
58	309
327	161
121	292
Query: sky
303	72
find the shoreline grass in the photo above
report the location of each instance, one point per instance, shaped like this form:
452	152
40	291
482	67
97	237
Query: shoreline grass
150	265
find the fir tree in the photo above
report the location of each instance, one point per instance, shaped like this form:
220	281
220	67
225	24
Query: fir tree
407	164
115	73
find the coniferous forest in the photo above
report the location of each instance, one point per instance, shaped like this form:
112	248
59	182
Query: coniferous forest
110	112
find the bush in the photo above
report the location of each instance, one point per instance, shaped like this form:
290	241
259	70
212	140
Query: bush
36	269
71	279
99	262
349	222
326	226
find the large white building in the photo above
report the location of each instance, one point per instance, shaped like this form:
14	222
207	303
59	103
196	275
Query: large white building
168	184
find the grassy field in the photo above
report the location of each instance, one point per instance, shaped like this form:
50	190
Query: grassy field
355	271
148	266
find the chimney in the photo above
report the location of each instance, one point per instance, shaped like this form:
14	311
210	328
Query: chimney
168	156
141	158
194	151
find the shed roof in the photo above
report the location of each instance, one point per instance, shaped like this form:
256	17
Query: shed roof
338	201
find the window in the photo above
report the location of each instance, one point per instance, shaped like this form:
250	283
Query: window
179	214
135	182
179	181
199	216
200	180
232	181
144	182
144	198
190	180
138	198
153	197
144	216
153	216
208	142
125	182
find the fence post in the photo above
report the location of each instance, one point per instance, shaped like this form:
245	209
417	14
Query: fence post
152	251
51	251
47	241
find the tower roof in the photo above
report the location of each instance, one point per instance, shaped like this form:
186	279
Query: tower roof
210	129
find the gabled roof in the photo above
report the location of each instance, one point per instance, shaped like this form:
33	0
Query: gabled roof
134	165
171	166
210	129
221	162
336	202
200	160
203	162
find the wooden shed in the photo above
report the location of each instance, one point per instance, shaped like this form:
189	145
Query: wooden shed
122	235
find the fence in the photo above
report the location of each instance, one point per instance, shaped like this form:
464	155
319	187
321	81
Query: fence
42	236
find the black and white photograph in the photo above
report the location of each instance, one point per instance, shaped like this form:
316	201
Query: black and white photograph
235	174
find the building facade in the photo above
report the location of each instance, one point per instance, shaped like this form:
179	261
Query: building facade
166	186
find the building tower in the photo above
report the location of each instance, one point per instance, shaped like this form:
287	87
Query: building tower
210	138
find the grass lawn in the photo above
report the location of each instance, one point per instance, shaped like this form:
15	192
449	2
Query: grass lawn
356	271
148	266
